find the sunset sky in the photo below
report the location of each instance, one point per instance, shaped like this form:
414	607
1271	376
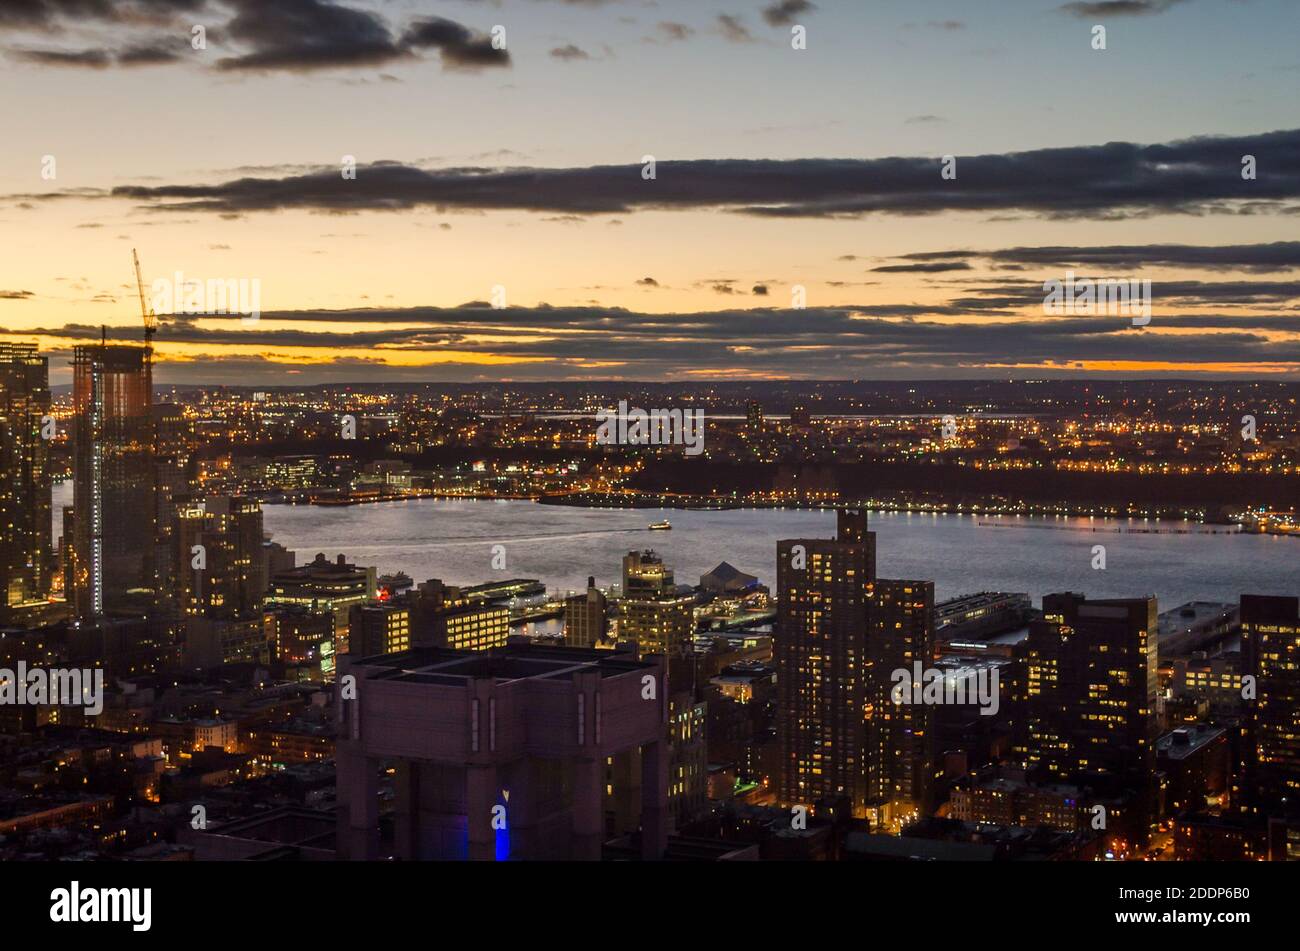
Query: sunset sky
521	168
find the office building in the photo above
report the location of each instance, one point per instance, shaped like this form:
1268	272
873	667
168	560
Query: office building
379	627
447	616
324	585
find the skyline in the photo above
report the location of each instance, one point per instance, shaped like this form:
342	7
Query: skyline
521	169
649	432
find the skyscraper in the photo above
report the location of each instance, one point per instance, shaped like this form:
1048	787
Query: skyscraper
901	753
820	651
113	477
1091	697
25	553
218	558
1270	647
173	467
840	635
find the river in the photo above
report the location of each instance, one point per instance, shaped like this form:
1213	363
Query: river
562	545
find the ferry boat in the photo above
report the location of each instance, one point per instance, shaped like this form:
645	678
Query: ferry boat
664	526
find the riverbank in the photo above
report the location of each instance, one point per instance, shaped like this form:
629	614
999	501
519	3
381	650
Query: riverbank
713	504
456	540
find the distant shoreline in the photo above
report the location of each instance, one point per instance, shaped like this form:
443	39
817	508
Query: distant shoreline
647	502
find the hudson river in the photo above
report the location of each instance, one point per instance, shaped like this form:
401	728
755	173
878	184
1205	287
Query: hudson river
562	545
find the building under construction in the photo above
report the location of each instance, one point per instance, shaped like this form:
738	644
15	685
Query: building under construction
109	532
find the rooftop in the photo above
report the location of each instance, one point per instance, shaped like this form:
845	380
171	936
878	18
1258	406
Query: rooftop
440	665
1186	740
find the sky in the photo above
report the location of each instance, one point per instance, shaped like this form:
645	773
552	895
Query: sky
504	221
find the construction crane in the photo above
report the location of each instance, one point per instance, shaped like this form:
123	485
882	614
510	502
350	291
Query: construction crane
146	312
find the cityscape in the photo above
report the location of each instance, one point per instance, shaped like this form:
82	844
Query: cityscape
443	503
1113	728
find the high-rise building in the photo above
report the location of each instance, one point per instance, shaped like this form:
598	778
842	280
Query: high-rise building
26	561
901	751
1090	715
585	617
218	557
841	633
1270	647
820	651
653	611
174	480
113	478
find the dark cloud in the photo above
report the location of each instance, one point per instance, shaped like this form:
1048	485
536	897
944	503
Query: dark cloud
827	342
54	14
1009	295
785	12
287	35
141	54
1258	258
1193	176
1118	8
85	59
152	54
459	47
16	295
569	52
306	35
759	290
648	282
734	29
674	31
937	267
